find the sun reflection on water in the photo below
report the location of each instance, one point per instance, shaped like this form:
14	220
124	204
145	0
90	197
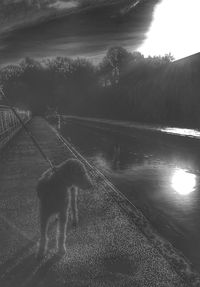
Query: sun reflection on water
183	182
182	132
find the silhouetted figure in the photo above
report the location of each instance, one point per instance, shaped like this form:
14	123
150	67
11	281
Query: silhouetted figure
58	191
116	156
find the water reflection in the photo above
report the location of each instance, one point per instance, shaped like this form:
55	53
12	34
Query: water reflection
182	132
183	182
116	156
159	175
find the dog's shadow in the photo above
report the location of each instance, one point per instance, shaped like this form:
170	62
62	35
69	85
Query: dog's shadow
8	265
25	268
42	268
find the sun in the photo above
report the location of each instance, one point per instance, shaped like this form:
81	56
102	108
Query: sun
174	29
183	182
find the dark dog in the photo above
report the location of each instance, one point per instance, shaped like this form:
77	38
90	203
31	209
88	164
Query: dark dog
57	191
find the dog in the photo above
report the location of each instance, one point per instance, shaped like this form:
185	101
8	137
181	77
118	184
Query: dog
57	191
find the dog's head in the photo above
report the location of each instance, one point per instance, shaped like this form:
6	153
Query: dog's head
84	181
82	178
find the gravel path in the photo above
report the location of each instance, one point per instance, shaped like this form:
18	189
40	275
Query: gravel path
106	249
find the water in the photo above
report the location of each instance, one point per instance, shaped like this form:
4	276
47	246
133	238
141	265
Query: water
182	132
159	175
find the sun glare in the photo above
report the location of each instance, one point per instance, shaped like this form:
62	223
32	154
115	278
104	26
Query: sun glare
174	29
183	182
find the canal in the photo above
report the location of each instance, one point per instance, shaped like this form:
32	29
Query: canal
158	172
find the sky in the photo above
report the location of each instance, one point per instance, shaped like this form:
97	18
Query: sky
174	29
49	28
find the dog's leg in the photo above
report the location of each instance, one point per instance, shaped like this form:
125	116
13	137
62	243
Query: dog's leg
63	218
43	232
69	199
74	205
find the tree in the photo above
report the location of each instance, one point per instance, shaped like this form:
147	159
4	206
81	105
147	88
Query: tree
113	64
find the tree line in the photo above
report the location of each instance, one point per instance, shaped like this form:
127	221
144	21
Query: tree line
123	86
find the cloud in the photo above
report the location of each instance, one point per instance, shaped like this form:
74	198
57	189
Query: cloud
61	4
18	13
87	34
